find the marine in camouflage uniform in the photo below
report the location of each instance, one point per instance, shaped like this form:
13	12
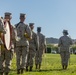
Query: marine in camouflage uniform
64	44
22	44
42	47
6	55
33	46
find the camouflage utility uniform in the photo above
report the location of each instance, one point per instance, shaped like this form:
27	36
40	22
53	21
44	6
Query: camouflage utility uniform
42	47
33	46
64	44
6	55
22	44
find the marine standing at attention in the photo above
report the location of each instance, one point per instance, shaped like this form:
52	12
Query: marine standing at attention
22	43
64	44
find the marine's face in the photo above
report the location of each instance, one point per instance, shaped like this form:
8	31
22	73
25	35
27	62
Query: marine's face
22	19
8	18
38	30
64	34
32	27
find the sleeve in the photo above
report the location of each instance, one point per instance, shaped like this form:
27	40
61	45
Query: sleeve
59	43
36	42
28	33
44	41
13	33
44	44
71	42
2	30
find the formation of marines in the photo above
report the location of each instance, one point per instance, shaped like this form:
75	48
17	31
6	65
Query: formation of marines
24	42
27	45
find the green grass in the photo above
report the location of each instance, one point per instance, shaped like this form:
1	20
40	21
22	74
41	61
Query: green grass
51	65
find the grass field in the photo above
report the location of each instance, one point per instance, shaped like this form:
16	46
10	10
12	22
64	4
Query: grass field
51	65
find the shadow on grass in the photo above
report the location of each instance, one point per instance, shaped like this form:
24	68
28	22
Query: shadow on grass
47	70
42	70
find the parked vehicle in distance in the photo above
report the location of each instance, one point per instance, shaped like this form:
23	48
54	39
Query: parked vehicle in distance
53	52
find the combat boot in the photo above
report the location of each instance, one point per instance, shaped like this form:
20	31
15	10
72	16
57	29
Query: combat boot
30	68
63	66
26	68
1	73
22	70
18	71
6	73
36	66
39	66
66	67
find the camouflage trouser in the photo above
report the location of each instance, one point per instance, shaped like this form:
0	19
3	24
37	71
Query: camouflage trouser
30	57
65	55
5	60
38	57
21	56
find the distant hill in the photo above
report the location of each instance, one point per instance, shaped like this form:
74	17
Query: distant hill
51	40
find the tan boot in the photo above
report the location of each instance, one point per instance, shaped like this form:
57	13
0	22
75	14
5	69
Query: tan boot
30	68
22	70
26	68
6	73
63	66
18	71
36	66
39	66
66	67
1	73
